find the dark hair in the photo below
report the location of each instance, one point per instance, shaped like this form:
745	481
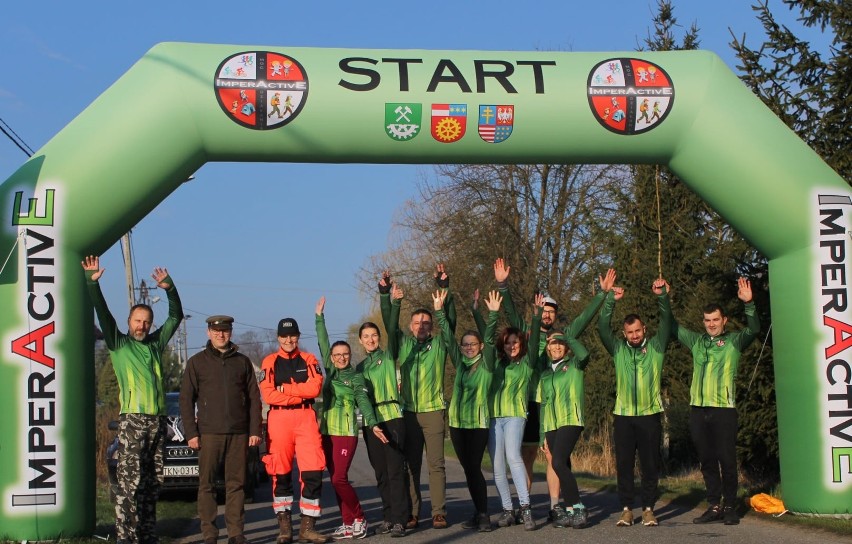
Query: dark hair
504	336
712	307
471	332
141	307
630	319
369	325
419	311
341	343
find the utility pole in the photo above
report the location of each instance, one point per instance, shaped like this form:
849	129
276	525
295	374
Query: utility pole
127	252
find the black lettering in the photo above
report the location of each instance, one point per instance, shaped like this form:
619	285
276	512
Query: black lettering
502	76
403	71
43	480
373	76
833	270
37	414
38	443
455	76
43	316
832	227
41	381
837	302
829	371
538	77
46	243
837	249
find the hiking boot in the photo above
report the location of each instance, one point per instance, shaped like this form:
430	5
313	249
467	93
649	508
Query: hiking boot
285	528
239	539
342	533
711	515
359	528
206	541
472	523
580	518
483	523
729	514
412	522
439	521
626	519
527	518
506	519
648	518
384	528
560	517
397	530
308	532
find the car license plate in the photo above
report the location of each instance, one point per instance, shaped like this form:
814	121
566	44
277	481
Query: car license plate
181	471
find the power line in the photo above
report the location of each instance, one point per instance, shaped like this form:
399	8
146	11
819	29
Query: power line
16	139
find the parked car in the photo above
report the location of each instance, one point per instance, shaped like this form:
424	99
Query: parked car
180	463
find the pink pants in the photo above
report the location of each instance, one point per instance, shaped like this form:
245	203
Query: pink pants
339	452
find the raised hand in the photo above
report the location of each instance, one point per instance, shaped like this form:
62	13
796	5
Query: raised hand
160	275
438	298
744	292
92	263
501	271
320	305
385	282
539	300
658	285
396	292
607	281
442	280
493	301
618	292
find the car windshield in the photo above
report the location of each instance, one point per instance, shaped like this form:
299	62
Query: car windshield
172	404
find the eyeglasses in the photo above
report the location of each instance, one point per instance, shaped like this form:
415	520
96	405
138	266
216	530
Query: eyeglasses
340	355
468	345
549	312
223	333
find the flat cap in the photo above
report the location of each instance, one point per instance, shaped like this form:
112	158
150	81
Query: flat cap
220	322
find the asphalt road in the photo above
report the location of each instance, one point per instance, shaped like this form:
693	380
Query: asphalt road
675	521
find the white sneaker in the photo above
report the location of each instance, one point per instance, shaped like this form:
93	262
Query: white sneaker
342	533
359	528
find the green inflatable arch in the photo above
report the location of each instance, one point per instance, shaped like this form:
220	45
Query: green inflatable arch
183	105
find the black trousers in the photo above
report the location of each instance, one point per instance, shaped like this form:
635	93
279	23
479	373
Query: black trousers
640	434
561	443
470	446
388	462
714	433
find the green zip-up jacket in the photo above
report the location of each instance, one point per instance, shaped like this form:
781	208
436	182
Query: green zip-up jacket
469	406
342	390
421	364
561	390
138	365
511	381
379	371
638	370
715	361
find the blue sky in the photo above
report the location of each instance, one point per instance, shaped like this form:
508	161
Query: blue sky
217	233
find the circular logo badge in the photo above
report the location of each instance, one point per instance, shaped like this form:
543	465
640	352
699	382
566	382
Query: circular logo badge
261	90
630	96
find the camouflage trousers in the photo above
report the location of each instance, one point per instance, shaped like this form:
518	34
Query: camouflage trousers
139	472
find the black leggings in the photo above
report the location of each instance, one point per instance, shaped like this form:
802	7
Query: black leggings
388	462
470	446
561	443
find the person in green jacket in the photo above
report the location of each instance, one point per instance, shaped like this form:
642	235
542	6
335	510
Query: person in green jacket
638	425
421	358
387	458
342	391
137	358
713	414
469	416
518	365
561	392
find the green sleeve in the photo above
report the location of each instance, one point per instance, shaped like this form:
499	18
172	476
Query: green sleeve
322	341
535	359
165	333
605	323
579	324
450	311
686	337
480	323
512	316
581	354
664	333
363	400
747	335
448	339
390	317
489	352
112	336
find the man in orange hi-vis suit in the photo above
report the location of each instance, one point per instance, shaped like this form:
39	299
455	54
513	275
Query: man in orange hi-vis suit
290	381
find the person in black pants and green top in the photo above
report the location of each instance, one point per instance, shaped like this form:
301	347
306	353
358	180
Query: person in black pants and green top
638	403
469	415
387	458
713	416
343	390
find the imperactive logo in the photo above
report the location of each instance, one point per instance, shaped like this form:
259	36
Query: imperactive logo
630	96
261	90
